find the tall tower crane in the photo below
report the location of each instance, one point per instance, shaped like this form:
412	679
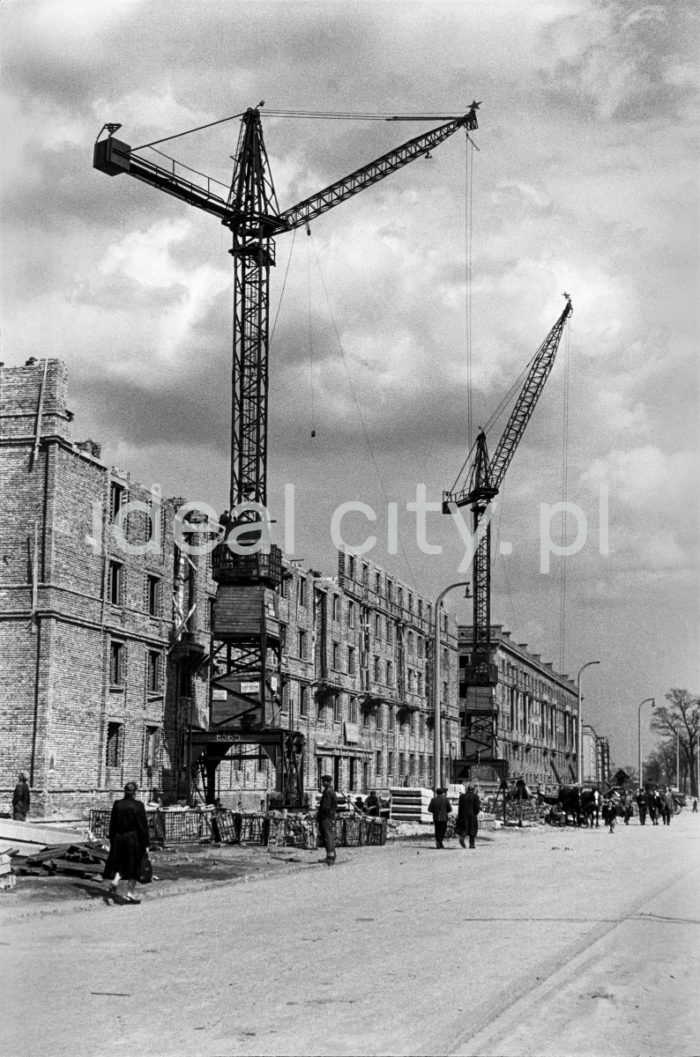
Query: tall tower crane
246	647
481	483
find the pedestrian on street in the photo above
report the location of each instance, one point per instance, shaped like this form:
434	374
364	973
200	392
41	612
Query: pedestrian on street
669	807
440	807
128	842
372	804
610	812
627	808
327	808
695	806
642	805
468	815
21	799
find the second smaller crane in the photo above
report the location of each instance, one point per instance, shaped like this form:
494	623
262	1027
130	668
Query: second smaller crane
483	484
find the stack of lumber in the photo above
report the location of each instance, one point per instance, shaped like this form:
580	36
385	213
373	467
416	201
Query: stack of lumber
411	805
30	837
86	859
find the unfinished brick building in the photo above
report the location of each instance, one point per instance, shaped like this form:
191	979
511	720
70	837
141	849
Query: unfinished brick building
536	712
105	636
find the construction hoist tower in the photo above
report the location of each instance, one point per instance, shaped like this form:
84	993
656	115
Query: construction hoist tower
245	657
481	483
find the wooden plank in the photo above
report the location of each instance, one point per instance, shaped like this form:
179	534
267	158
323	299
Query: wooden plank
38	833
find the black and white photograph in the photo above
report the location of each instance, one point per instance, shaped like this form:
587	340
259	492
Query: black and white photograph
349	462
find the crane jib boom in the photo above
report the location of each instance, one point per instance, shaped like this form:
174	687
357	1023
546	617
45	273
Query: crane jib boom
113	156
488	474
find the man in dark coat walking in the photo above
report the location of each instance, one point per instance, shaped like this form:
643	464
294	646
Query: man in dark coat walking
468	815
128	841
327	808
20	799
440	807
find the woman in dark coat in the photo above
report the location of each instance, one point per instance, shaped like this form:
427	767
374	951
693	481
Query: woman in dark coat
128	840
468	810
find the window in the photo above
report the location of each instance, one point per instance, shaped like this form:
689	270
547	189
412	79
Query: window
390	764
351	660
351	614
389	632
365	573
390	590
378	627
113	749
304	701
377	670
301	591
378	583
410	602
421	725
153	671
420	607
391	718
115	583
116	664
419	688
352	710
334	607
378	765
351	567
338	707
389	673
380	717
153	596
336	656
399	597
301	644
283	637
150	748
117	498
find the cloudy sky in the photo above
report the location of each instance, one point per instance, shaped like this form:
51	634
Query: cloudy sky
412	302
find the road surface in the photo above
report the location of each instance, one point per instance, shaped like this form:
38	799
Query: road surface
539	942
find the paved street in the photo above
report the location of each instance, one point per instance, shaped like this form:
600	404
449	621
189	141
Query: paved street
539	942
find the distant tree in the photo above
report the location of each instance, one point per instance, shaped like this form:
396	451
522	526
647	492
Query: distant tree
660	765
680	719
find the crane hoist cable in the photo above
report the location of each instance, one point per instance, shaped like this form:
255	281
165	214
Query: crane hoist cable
564	496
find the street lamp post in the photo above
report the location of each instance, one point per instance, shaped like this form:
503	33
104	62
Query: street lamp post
579	724
639	736
437	732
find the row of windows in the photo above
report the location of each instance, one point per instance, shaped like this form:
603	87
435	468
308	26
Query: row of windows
115	740
117	667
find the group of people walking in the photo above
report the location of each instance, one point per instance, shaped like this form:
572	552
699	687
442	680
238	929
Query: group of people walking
467	821
655	804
